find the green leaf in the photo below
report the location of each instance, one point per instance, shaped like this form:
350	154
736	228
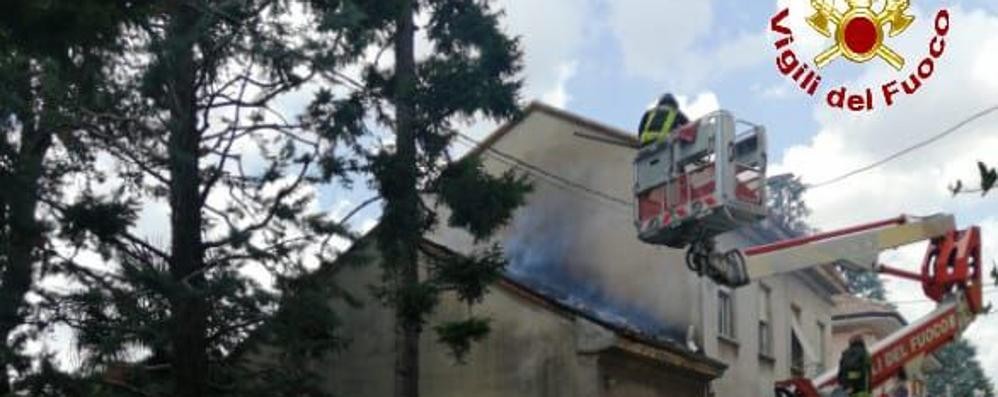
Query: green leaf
480	202
459	335
469	276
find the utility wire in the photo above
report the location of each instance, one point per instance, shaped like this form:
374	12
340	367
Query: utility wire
607	198
613	204
906	150
538	171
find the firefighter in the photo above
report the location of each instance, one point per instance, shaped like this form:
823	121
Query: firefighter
854	368
659	121
901	388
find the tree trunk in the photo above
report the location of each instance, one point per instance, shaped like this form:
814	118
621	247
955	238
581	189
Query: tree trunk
189	317
407	210
25	232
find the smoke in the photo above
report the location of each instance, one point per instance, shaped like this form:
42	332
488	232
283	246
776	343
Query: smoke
559	248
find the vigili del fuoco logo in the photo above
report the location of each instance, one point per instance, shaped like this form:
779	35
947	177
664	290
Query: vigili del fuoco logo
862	35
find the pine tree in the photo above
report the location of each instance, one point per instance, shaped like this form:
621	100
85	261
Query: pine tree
193	126
785	200
960	372
48	72
24	148
470	72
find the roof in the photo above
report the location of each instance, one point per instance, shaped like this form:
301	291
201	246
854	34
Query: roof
659	344
825	279
849	306
615	134
851	312
632	339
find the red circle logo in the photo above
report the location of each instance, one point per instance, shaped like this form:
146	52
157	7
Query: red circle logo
860	34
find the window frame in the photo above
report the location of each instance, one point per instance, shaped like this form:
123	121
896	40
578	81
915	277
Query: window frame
821	345
726	321
765	330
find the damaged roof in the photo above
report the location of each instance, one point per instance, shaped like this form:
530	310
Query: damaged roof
656	345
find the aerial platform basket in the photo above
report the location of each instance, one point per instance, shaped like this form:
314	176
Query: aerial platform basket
706	179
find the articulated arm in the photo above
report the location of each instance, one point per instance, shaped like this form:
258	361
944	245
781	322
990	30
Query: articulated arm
890	355
951	275
856	246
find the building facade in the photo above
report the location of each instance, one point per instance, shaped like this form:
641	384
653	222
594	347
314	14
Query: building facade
574	244
539	345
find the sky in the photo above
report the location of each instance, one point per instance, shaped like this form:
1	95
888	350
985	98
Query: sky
609	59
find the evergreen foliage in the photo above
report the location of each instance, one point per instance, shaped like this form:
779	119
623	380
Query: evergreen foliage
471	70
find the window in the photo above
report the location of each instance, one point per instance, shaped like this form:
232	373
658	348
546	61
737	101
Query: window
821	346
765	322
796	348
725	313
796	356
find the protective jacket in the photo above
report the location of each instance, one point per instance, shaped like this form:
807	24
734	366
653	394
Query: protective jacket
854	370
658	122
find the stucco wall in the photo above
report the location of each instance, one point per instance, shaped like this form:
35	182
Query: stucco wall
593	237
534	349
530	352
747	367
652	278
623	376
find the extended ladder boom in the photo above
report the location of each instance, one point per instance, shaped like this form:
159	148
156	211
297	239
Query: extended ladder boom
951	275
888	356
856	247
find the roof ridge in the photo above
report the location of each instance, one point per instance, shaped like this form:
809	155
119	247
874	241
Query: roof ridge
538	106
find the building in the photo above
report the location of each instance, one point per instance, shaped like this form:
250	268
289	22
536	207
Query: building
588	310
540	345
875	321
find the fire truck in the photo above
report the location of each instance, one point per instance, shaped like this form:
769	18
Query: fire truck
709	178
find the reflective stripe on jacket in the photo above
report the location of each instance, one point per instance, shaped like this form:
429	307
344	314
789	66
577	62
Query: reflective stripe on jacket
657	124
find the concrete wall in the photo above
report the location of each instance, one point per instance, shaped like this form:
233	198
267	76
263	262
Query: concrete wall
623	376
655	279
748	368
593	237
530	352
534	349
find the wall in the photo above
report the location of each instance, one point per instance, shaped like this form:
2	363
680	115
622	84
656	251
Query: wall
530	352
747	367
534	349
623	376
601	247
590	240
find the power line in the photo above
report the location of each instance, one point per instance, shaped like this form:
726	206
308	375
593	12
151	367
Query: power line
605	198
907	150
511	160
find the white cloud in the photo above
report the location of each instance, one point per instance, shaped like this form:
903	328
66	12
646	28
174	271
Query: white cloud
704	103
659	42
654	34
963	83
775	91
558	96
551	32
